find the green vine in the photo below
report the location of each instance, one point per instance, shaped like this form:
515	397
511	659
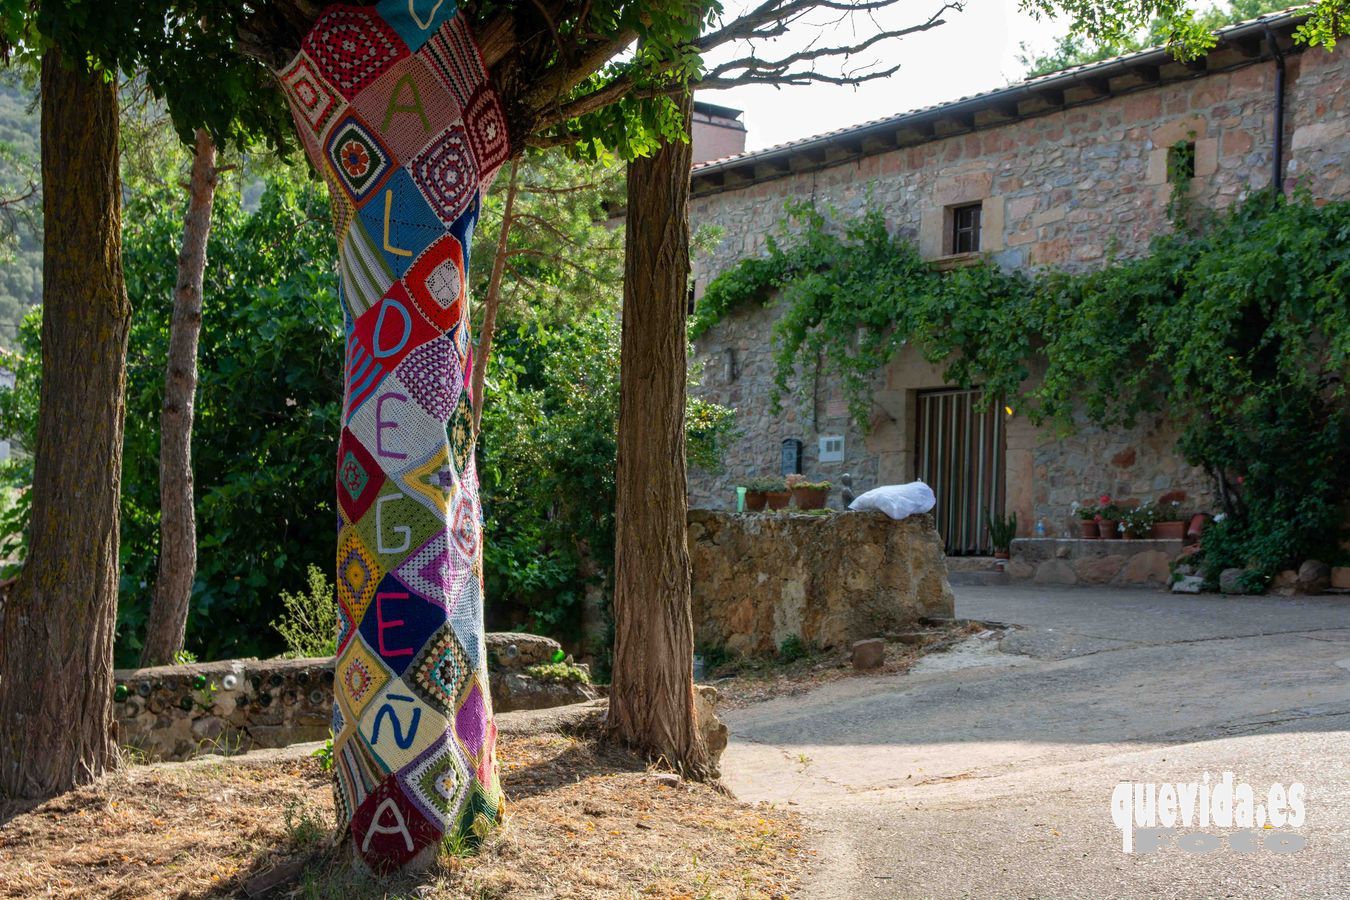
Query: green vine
1180	171
1240	329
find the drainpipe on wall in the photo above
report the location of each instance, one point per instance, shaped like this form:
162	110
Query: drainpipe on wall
1277	173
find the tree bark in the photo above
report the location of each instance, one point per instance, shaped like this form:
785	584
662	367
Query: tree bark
56	640
651	704
493	300
177	511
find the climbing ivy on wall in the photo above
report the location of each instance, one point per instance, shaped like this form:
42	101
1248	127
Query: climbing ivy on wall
1238	326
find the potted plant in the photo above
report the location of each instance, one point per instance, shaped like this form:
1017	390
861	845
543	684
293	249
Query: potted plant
757	490
1108	519
1167	523
811	494
1001	533
776	493
1135	523
1087	522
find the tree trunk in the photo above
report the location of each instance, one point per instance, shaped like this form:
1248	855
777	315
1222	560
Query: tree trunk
56	647
493	300
177	514
651	704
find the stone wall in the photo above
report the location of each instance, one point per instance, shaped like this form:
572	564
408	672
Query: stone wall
759	578
1062	189
1121	563
175	712
1069	186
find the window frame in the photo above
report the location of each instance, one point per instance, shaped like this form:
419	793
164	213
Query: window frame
972	230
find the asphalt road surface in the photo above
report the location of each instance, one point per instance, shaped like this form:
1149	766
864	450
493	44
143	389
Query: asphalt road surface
989	771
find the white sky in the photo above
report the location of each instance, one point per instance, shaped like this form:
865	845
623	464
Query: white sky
974	51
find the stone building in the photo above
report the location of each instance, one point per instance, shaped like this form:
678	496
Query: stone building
1056	171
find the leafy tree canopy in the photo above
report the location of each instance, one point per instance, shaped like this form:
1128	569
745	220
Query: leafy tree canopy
1077	49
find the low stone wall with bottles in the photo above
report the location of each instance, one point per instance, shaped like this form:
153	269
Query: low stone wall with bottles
237	705
828	578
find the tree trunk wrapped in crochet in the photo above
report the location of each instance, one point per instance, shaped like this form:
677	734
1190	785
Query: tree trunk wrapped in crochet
394	107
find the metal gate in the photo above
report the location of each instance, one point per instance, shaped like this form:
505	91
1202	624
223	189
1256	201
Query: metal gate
960	456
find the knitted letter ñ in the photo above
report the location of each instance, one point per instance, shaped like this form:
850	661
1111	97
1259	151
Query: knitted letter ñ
394	107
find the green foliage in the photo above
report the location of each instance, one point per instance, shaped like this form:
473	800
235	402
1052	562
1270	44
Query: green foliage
546	465
324	754
792	648
1100	29
855	296
267	409
1240	329
308	623
20	205
559	673
1002	529
1180	172
813	485
305	827
564	259
1164	512
1139	519
766	485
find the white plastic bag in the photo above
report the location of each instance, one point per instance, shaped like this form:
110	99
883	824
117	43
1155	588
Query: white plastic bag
898	501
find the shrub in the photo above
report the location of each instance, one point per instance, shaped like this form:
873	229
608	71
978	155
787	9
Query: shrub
309	623
792	648
559	673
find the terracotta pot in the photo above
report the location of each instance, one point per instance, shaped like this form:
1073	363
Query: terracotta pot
810	498
1169	531
778	499
754	501
1087	529
1197	526
1131	535
1107	528
1000	554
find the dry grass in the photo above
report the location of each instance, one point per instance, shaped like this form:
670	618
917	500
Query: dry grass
584	820
756	679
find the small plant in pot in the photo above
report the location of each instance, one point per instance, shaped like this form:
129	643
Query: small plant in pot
1108	519
1001	533
1167	522
1087	522
776	492
1135	523
757	492
811	494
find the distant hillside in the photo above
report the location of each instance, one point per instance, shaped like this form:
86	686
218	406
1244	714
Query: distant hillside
20	224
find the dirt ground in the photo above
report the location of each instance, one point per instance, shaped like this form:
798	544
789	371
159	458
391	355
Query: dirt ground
743	682
584	820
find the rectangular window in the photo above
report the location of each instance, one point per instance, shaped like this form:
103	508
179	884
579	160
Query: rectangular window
832	448
966	228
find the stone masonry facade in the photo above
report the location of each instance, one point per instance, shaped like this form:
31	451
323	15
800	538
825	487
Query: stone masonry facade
1067	189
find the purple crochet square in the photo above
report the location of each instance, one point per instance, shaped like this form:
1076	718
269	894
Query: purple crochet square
432	373
471	722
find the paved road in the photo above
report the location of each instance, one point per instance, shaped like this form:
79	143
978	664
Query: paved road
990	773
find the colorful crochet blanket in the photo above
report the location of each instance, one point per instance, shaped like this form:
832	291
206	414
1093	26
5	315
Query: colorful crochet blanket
394	107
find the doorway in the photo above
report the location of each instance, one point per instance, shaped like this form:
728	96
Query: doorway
960	455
